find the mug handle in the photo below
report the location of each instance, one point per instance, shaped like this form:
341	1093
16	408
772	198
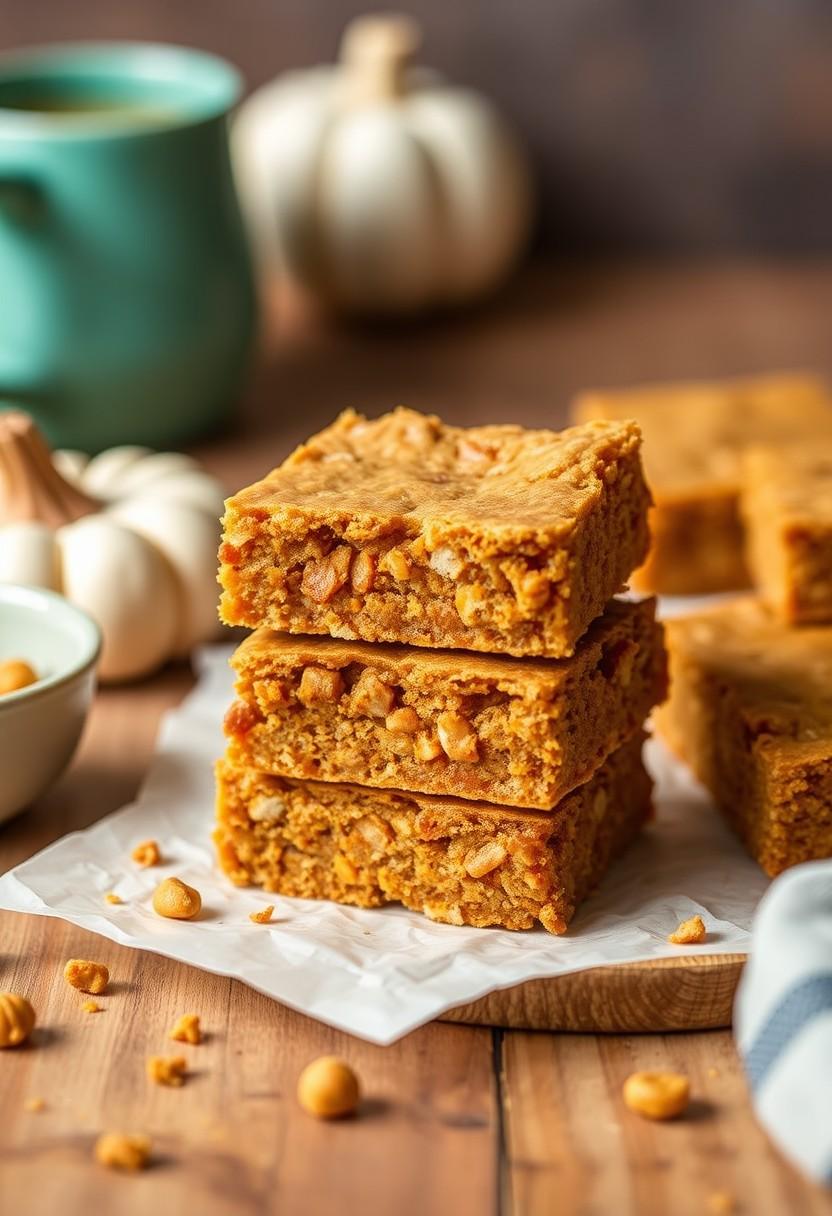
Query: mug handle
21	199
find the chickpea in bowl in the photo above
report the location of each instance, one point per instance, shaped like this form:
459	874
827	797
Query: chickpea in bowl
48	653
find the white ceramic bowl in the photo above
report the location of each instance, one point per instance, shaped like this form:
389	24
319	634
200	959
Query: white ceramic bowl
40	725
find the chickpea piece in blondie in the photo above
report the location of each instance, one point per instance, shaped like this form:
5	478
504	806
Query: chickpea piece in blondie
174	899
657	1095
689	933
167	1070
87	976
17	1019
146	854
122	1152
328	1088
15	674
186	1029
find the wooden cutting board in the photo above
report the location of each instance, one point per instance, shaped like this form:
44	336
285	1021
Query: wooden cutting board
686	993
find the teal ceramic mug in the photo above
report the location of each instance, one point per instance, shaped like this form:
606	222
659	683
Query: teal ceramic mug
126	300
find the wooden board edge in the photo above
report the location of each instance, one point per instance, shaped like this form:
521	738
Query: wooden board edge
657	995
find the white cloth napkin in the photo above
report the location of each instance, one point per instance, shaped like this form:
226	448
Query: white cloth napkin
783	1016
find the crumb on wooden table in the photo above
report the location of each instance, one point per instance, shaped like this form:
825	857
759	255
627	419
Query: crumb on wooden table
123	1152
689	932
186	1029
92	1007
657	1095
17	1019
87	976
167	1070
264	916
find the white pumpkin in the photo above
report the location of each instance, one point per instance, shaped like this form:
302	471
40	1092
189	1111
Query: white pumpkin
130	535
375	184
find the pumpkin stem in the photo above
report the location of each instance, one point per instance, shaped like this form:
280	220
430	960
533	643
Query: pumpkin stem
375	51
31	488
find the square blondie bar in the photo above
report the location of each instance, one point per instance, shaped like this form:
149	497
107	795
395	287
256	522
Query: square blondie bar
405	530
750	711
694	437
787	511
518	732
464	863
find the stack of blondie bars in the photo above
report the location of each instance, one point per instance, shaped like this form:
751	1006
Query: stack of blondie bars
441	704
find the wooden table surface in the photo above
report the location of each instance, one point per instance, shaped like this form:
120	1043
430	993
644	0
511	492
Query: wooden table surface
462	1120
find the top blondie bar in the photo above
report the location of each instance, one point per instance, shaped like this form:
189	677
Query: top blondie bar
403	529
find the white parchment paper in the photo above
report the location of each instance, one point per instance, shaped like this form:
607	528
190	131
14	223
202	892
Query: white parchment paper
376	974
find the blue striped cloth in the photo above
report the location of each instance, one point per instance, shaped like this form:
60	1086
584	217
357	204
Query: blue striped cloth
783	1016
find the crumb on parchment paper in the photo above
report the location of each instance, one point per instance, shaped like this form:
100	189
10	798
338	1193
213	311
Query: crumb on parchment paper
146	854
689	932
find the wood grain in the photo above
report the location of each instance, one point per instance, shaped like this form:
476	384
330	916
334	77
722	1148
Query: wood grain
571	1145
441	1121
693	993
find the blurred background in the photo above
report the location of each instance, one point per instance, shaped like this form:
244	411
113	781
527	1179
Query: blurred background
671	127
682	161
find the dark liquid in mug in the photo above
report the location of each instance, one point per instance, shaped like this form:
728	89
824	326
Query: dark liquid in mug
108	109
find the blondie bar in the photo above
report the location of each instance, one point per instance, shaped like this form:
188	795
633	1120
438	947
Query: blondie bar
406	530
464	863
694	438
520	732
787	510
751	711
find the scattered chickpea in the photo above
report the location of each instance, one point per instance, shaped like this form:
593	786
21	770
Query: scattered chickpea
264	916
175	899
121	1152
167	1070
657	1095
87	976
15	674
146	854
689	933
112	898
17	1019
328	1088
92	1007
34	1106
186	1029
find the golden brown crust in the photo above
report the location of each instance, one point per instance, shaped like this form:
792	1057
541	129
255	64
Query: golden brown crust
787	511
695	434
751	712
405	530
515	731
456	861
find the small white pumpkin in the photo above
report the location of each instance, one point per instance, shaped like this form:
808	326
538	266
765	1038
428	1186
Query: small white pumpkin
375	184
130	535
